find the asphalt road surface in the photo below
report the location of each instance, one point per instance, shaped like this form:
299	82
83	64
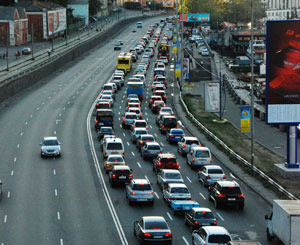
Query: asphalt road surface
68	200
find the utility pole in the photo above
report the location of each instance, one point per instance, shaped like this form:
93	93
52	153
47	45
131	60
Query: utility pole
32	35
252	95
66	33
181	42
52	43
7	43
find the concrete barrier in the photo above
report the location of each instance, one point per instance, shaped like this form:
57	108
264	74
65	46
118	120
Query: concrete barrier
16	85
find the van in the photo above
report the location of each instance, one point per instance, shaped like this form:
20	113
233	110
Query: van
199	156
113	146
139	24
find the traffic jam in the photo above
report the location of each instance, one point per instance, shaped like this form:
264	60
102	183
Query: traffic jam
137	128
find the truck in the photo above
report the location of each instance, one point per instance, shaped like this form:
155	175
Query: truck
104	118
135	88
284	222
248	242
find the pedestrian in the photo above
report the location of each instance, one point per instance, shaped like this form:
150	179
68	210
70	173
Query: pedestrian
49	52
3	54
16	54
19	54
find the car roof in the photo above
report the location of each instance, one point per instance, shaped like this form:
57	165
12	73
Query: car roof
152	143
202	148
147	135
114	155
50	138
105	128
141	181
117	140
190	138
173	185
130	113
139	120
215	230
170	171
177	129
213	166
228	183
201	209
166	155
140	129
153	218
120	167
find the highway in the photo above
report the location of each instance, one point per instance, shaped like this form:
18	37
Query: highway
67	200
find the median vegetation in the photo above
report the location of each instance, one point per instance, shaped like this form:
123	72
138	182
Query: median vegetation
240	143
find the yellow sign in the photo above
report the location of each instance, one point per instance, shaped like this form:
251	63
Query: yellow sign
245	119
174	50
175	38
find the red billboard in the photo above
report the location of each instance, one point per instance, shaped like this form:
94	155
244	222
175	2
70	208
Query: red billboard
283	72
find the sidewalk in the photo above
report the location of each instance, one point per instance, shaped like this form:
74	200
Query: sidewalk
267	135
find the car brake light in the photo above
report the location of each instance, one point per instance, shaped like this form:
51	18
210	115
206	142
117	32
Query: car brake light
160	152
184	145
224	176
240	195
210	159
215	223
168	234
172	198
193	159
207	177
130	176
196	222
133	126
133	193
124	120
159	164
123	153
150	193
221	195
177	164
147	234
107	165
105	153
96	121
141	143
176	126
114	176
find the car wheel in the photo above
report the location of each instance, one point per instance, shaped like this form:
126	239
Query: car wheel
42	156
187	162
151	203
269	237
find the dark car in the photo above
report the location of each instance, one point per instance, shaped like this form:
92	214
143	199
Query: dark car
120	175
165	161
105	131
226	193
150	150
167	122
157	105
161	93
154	98
152	230
197	217
144	139
117	46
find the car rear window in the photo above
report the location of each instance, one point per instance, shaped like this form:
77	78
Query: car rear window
131	117
122	172
215	171
105	130
168	160
231	190
114	146
141	124
204	215
190	142
172	176
115	159
219	239
153	225
142	187
179	190
148	138
153	147
202	153
177	132
141	132
170	122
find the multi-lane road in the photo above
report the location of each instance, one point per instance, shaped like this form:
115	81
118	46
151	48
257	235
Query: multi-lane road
68	200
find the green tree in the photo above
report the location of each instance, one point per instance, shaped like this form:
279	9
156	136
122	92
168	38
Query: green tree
94	6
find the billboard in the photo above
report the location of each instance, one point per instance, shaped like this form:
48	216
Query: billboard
57	21
169	4
212	97
186	68
203	18
245	119
283	72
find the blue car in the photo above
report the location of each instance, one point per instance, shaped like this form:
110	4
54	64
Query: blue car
174	135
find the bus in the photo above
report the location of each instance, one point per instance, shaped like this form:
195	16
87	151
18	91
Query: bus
124	61
104	117
135	88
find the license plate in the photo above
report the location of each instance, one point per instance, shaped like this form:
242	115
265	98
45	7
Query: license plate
186	208
122	177
142	199
157	236
205	224
114	152
231	199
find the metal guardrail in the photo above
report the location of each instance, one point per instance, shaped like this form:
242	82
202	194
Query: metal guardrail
245	162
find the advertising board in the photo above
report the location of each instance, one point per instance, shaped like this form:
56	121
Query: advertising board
195	17
169	4
283	72
57	21
212	97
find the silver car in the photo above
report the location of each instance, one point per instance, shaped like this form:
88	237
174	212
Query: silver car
150	150
198	157
176	191
128	119
136	133
166	176
50	147
184	145
210	174
139	190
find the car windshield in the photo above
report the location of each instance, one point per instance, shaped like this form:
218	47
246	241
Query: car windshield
191	142
179	190
219	239
215	171
115	159
204	215
231	190
172	176
114	146
154	147
202	153
155	225
50	142
142	187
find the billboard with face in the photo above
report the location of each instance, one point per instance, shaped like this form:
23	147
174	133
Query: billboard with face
283	72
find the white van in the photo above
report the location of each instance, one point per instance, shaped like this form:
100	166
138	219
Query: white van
199	156
113	146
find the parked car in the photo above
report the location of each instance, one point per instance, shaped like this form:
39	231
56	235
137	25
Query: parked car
26	50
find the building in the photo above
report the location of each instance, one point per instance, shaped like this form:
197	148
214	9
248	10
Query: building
46	18
282	9
80	9
13	26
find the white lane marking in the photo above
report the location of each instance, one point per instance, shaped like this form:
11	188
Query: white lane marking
55	192
155	134
64	108
120	126
31	115
61	241
138	164
150	126
119	113
146	114
43	103
54	132
120	107
157	196
15	159
37	108
21	133
26	123
132	153
68	102
54	172
124	134
202	196
169	215
119	119
162	144
127	142
219	215
232	176
146	178
12	173
58	215
188	179
8	194
5	218
18	145
59	114
184	239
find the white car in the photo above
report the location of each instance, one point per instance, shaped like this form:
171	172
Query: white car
211	235
199	156
204	52
210	174
176	191
184	146
50	147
